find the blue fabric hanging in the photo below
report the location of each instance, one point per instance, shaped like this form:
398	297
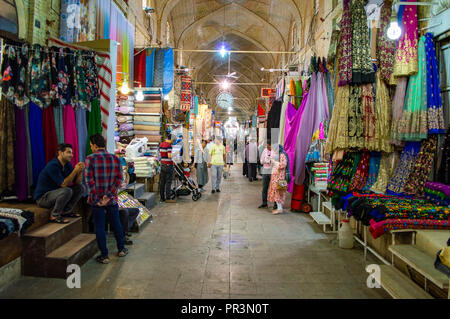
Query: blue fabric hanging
196	105
168	71
37	140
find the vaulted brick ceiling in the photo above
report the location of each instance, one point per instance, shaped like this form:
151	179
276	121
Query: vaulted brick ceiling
262	25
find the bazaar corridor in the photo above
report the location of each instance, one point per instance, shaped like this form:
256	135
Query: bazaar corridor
219	247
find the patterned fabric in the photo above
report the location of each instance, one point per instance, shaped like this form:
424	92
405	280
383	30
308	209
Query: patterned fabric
379	228
413	123
374	167
362	173
80	80
383	110
15	85
388	163
385	46
345	46
338	131
103	175
278	173
355	118
344	171
186	93
397	109
435	111
406	56
422	167
443	163
7	141
403	170
39	66
362	67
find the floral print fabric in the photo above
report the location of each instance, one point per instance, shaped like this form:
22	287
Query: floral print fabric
345	46
344	171
403	170
278	173
362	173
385	46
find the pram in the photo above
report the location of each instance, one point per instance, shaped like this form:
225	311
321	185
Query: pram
183	185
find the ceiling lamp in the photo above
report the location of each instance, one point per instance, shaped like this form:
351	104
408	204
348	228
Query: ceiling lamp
125	89
223	51
225	85
394	31
140	95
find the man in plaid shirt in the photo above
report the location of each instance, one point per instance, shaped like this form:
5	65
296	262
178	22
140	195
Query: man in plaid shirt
103	175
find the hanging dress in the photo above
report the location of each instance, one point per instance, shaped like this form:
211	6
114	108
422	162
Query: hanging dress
374	166
436	123
413	123
37	141
20	148
388	163
362	173
81	133
345	46
94	123
407	159
406	56
383	109
70	132
397	109
338	130
49	133
7	142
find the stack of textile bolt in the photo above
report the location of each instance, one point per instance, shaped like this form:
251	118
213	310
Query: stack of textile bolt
124	125
147	120
438	193
320	174
145	166
14	220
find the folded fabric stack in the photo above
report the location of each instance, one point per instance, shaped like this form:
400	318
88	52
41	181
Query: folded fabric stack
438	193
147	122
320	174
145	166
14	220
124	130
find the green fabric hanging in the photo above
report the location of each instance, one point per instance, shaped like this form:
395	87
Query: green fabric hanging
299	92
94	122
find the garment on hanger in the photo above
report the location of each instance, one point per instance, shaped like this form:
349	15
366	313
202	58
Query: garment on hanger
407	159
374	167
383	110
338	131
436	123
388	164
273	120
397	109
406	62
70	132
362	173
37	140
82	133
58	114
413	123
7	142
40	68
94	123
345	47
20	148
49	133
362	67
385	46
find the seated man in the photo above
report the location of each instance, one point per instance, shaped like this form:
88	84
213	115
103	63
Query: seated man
54	190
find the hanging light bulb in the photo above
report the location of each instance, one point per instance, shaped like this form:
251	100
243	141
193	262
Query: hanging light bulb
223	51
394	31
225	85
140	94
124	89
166	97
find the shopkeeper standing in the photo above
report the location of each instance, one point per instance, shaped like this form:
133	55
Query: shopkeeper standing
103	177
166	175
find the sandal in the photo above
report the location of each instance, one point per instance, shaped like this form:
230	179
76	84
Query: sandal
59	220
72	215
123	252
102	260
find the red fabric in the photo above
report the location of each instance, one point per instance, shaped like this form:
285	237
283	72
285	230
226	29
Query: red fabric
261	111
49	132
140	68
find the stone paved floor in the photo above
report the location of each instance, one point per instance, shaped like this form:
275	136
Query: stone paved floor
219	247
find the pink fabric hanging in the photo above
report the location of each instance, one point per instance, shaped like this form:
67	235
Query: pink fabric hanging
70	132
293	119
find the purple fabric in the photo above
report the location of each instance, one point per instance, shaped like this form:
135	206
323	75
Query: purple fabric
126	127
293	118
309	123
21	186
438	187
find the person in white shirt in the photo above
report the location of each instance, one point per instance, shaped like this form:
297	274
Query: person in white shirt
252	159
201	162
266	172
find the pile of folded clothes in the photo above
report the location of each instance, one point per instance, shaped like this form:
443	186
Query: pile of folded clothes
14	220
147	122
438	193
124	129
145	166
320	174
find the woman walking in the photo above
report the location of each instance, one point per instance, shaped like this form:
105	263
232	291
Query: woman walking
280	178
201	162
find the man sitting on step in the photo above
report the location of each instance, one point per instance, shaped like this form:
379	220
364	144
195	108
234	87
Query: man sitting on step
59	185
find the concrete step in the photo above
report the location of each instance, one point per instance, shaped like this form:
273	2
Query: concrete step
76	251
420	261
148	200
400	286
431	241
136	190
43	240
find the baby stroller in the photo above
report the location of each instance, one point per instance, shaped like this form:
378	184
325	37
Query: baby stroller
184	186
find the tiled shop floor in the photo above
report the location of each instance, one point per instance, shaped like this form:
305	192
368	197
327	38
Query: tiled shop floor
219	247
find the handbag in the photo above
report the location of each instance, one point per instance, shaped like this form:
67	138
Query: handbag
282	185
